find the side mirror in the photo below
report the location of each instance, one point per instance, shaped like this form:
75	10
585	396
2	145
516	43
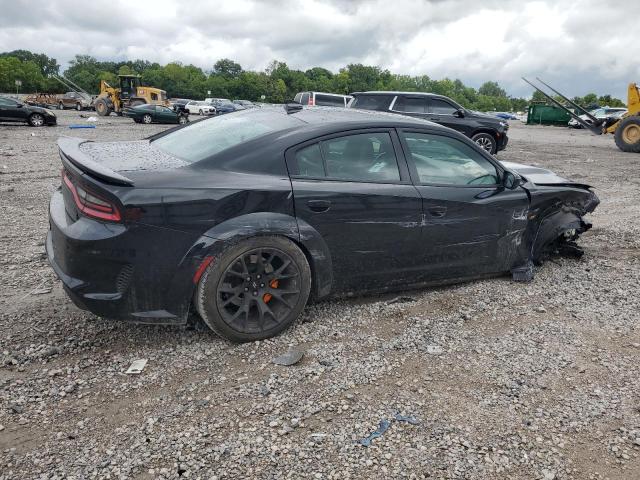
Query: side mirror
459	113
510	180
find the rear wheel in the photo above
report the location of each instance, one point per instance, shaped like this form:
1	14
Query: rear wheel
182	119
147	118
36	120
486	142
255	289
627	134
200	112
102	108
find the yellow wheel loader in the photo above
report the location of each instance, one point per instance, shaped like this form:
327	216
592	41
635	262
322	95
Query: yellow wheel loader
626	129
130	94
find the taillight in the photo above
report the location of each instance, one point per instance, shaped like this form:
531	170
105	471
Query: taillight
90	204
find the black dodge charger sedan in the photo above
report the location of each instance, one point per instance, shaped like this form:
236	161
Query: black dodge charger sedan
247	216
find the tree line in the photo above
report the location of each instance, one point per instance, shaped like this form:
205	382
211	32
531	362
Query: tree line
278	82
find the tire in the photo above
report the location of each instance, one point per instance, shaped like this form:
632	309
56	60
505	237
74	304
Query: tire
36	120
61	106
627	134
200	113
78	107
102	108
264	309
486	142
146	118
182	119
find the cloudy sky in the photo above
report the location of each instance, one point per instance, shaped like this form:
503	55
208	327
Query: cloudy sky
576	45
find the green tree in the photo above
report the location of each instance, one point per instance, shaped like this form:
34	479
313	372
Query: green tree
227	68
491	89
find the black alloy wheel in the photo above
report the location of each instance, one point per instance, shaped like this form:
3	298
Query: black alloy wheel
255	291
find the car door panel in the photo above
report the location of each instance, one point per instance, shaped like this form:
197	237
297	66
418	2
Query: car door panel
469	229
372	229
442	112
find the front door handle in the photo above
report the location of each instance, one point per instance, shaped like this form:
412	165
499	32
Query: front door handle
437	212
319	205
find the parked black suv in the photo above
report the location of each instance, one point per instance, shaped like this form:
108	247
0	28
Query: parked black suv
488	132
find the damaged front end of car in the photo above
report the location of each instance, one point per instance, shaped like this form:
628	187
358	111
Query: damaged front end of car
555	217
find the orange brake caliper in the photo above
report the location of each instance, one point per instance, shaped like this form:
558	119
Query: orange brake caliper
267	296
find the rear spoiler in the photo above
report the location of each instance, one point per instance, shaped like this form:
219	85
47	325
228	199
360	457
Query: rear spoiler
70	152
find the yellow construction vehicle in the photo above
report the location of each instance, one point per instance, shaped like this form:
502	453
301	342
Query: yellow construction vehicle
625	129
130	94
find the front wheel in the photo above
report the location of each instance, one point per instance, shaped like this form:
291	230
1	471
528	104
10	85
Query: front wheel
486	142
627	134
255	289
36	120
200	112
78	107
147	119
61	106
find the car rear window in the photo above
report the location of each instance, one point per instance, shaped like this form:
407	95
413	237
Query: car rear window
203	139
329	100
372	102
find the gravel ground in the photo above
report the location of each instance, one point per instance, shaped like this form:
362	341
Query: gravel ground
503	379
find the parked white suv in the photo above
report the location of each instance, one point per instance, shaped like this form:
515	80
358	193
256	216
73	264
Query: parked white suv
321	98
201	108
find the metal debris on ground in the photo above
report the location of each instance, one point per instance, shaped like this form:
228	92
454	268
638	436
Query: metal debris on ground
401	300
291	357
41	291
81	126
384	426
137	366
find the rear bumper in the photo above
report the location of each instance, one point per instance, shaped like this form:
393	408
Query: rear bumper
119	271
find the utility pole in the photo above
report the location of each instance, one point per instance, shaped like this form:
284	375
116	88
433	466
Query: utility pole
18	85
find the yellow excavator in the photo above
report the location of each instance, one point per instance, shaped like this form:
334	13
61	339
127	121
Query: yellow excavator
130	94
625	129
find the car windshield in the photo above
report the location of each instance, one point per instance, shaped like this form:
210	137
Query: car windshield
204	139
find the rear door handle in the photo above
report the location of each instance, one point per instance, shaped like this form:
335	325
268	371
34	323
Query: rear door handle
437	212
319	205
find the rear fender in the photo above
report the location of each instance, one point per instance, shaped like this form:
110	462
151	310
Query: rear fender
219	238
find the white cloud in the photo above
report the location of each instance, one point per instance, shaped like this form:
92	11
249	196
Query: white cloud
579	45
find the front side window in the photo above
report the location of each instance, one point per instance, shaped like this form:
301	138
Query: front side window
442	160
441	107
365	157
410	104
154	96
7	102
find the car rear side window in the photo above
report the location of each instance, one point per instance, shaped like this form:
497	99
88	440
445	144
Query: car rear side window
442	160
366	157
304	100
441	107
372	102
309	161
329	100
201	140
410	104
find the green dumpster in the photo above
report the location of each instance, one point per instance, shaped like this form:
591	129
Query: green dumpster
542	114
